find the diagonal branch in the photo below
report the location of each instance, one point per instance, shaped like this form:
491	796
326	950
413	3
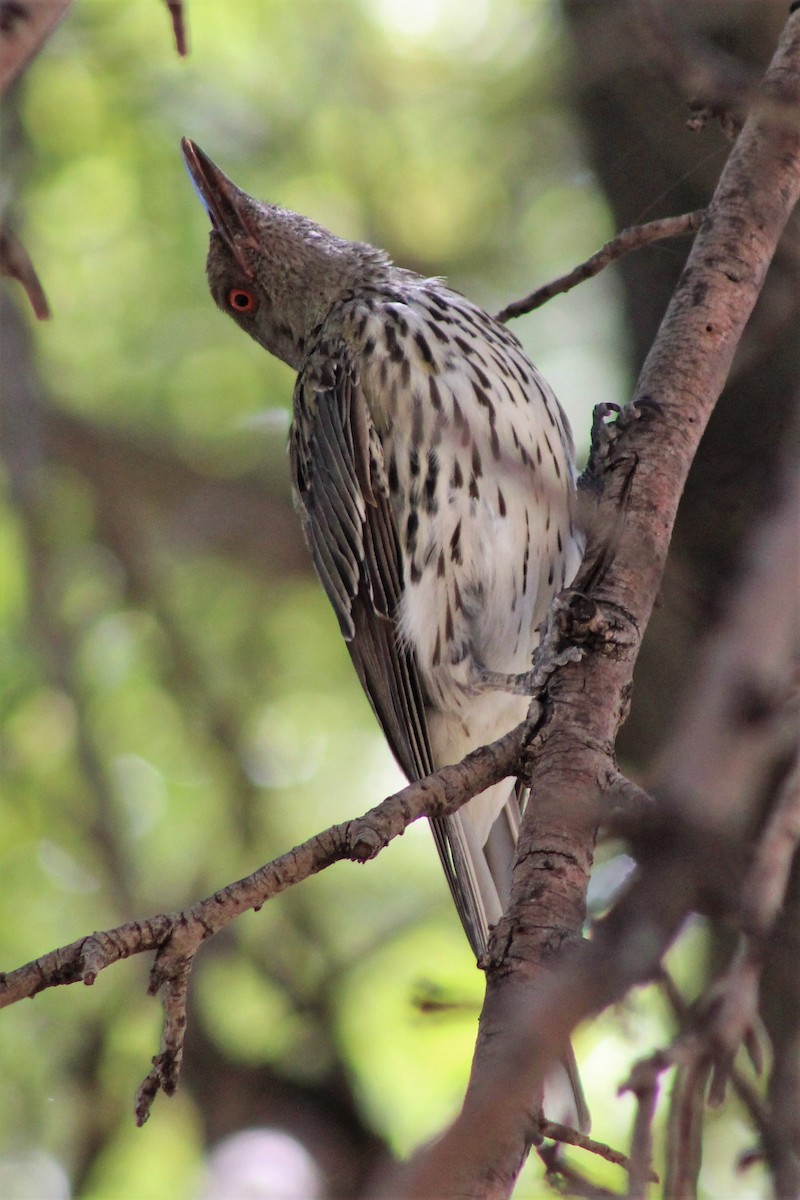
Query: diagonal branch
356	840
623	243
176	937
528	1013
15	263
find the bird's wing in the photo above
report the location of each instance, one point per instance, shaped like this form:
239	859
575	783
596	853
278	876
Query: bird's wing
342	493
343	496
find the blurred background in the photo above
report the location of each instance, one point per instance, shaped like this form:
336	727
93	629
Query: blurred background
176	704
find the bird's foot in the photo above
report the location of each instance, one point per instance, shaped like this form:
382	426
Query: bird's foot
521	684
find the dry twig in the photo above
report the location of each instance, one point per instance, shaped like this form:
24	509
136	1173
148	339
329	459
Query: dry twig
567	1136
176	937
178	15
623	243
16	264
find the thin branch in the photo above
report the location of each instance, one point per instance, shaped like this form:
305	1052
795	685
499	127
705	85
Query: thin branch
768	878
643	1082
685	1128
572	1137
176	937
357	840
178	15
624	243
566	1180
173	977
15	262
744	1089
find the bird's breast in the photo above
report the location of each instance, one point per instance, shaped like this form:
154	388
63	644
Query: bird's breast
479	466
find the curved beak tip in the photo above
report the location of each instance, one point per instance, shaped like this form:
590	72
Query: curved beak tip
220	197
197	166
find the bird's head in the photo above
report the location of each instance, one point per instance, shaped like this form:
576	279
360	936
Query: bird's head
275	272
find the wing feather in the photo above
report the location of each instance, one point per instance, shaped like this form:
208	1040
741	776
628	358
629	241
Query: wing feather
342	493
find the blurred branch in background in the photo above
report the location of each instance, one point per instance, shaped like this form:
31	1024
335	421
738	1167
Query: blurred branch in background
25	25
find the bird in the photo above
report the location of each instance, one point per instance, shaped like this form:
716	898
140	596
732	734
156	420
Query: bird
434	472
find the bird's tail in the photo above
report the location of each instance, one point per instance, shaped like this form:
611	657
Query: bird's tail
478	867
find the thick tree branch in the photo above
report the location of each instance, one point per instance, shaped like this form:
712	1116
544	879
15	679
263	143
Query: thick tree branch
522	1025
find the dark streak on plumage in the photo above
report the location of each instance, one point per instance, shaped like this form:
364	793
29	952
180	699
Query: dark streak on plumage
455	545
483	378
391	472
412	527
430	483
482	397
424	347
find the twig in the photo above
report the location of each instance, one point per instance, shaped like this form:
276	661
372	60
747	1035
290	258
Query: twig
573	1137
768	878
624	243
781	1137
15	262
643	1082
576	1184
685	1128
173	975
741	1085
176	12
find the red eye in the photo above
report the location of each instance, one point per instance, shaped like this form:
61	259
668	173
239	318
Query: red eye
240	300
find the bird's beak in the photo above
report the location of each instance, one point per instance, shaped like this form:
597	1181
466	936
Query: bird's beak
226	204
